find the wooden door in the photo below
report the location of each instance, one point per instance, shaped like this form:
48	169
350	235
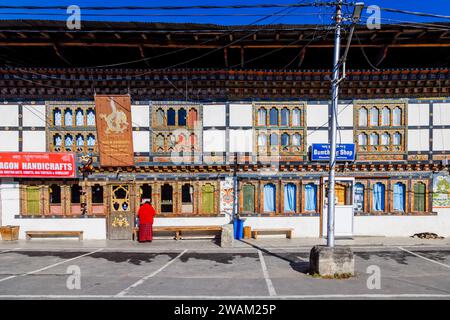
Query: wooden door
121	212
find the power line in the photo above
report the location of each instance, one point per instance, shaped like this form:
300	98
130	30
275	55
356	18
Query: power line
161	14
201	7
415	13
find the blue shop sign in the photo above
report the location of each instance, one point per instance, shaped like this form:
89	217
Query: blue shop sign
344	152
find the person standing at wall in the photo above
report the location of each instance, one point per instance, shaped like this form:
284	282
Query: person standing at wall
146	215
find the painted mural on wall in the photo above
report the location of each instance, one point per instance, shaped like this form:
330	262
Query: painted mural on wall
441	191
226	196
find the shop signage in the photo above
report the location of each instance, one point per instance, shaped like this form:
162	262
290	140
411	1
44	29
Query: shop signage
114	130
37	164
344	152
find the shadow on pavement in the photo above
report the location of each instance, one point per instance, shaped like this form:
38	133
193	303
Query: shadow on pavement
299	266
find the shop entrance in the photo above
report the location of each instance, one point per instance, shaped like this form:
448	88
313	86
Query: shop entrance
343	220
120	213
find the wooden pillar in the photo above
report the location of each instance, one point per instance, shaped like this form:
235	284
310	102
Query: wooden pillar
225	57
46	198
242	57
196	199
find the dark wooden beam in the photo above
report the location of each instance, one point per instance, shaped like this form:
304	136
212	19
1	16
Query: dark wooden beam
225	57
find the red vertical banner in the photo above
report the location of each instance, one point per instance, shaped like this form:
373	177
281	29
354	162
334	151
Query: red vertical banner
114	130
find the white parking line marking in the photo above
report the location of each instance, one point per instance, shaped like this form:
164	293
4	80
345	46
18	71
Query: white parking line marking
430	260
203	297
269	283
50	266
140	281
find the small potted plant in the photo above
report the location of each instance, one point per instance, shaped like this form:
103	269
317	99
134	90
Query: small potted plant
9	233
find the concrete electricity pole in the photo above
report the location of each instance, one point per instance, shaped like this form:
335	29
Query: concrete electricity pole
334	103
336	79
329	260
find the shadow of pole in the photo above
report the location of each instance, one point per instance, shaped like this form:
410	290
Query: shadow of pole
299	266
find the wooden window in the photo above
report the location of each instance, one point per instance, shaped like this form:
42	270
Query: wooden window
68	142
187	198
296	117
362	117
33	200
55	199
385	139
68	121
159	142
374	116
57	142
57	117
79	117
296	140
399	200
285	140
373	139
248	198
362	139
379	197
90	140
270	198
285	117
274	139
79	139
419	197
208	199
160	117
311	197
359	197
397	117
397	139
90	116
182	117
290	197
166	198
262	140
192	118
171	117
97	194
273	117
262	116
145	191
385	116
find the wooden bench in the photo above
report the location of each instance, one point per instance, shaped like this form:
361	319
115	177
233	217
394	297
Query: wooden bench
47	234
178	230
288	232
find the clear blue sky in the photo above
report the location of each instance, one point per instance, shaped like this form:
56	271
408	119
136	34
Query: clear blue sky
296	15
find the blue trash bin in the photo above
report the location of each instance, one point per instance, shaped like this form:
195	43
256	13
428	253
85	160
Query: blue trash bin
238	228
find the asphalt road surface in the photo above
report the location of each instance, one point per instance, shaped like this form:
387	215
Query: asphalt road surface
244	273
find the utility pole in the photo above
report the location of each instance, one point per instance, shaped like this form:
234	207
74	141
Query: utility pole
334	104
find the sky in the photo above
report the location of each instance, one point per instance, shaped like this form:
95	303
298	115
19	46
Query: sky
310	15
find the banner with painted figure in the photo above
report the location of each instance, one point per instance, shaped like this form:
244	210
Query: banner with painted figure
226	196
114	130
441	191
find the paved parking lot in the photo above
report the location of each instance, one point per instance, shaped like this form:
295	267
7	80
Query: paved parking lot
251	272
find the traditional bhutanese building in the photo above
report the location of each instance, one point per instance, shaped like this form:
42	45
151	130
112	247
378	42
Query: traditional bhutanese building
172	112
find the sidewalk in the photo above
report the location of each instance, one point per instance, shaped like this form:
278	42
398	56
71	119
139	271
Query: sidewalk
162	245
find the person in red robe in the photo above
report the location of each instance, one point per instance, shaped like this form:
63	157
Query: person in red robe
146	214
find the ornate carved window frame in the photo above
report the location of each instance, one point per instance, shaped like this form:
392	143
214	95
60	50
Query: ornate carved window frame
268	129
381	152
